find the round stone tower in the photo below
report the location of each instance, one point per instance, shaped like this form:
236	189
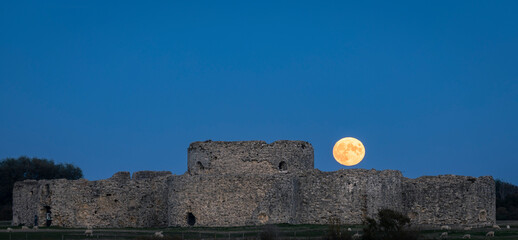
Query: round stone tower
251	157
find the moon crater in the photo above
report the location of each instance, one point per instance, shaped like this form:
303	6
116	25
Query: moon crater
349	151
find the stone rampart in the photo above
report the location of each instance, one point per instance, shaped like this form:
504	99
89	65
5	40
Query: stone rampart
28	198
349	195
231	200
115	202
253	183
450	199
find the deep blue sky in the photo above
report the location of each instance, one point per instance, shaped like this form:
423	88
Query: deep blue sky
429	87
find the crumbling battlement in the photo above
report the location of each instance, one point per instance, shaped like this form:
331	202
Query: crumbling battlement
256	157
350	195
450	199
119	201
253	183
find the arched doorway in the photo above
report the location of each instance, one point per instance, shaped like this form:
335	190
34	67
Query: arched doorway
191	219
48	216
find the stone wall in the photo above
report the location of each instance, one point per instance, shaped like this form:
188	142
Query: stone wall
27	201
255	157
349	195
231	200
450	199
253	183
115	202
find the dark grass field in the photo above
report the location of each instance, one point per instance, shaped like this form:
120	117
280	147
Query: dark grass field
280	231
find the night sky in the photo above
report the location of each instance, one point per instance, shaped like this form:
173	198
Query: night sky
429	87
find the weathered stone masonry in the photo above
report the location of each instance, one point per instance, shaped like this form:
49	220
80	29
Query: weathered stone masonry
252	183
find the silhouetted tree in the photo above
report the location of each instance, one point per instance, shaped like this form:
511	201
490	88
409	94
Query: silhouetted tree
506	201
22	168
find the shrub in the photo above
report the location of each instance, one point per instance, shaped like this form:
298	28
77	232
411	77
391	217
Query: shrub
270	232
335	231
391	225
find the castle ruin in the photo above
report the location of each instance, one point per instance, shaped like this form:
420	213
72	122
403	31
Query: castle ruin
252	183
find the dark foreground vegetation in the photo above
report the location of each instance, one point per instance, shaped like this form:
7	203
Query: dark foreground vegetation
281	231
390	225
22	168
506	201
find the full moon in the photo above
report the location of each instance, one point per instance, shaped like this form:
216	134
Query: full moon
349	151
